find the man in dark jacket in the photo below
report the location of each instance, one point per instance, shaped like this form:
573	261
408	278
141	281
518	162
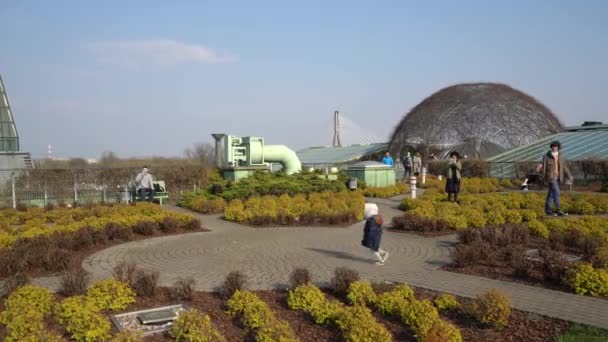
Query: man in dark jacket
555	171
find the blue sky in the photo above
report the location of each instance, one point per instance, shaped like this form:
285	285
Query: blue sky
153	77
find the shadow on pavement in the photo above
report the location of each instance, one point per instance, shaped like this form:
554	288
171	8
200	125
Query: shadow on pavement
340	255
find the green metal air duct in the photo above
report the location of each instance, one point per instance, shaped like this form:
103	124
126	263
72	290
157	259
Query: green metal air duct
283	155
236	152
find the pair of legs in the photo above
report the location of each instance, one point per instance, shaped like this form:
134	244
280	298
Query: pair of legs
147	194
407	173
381	255
453	195
553	196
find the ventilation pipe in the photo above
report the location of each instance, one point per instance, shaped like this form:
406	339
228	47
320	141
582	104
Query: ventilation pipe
283	155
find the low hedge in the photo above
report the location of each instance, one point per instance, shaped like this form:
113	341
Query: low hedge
24	312
265	183
388	191
316	208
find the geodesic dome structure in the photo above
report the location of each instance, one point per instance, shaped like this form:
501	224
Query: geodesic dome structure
475	114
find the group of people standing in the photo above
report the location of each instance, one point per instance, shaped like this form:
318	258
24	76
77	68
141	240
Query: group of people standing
412	166
554	171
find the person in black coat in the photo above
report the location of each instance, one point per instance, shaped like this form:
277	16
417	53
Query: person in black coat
372	234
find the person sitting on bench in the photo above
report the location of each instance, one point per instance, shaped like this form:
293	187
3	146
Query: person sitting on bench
144	185
533	177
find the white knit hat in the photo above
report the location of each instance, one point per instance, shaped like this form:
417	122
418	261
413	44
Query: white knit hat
371	209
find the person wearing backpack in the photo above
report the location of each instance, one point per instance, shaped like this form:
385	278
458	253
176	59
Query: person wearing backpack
407	166
372	233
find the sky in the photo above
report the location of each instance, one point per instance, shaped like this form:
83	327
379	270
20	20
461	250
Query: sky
143	78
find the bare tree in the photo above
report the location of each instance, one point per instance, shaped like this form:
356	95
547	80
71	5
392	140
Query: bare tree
203	152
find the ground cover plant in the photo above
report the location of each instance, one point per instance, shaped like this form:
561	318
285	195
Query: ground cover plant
366	312
277	199
46	240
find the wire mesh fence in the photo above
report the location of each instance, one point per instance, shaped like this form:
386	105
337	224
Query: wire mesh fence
43	187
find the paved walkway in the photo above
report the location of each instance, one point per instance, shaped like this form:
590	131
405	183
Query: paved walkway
268	255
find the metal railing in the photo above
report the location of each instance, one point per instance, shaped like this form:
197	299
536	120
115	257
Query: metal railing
44	187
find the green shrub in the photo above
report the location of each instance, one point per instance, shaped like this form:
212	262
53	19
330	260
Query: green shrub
25	299
65	310
82	319
446	302
257	316
389	303
361	293
25	323
538	229
492	307
110	295
420	315
586	280
193	326
310	299
88	325
359	325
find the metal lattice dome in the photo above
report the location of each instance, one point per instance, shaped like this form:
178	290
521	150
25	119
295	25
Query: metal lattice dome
475	114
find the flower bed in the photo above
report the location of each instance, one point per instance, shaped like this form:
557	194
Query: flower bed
511	252
277	199
38	239
210	319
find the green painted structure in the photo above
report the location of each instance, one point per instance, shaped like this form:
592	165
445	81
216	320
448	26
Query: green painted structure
373	173
240	157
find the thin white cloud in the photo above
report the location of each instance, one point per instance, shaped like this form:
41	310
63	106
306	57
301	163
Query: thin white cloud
156	52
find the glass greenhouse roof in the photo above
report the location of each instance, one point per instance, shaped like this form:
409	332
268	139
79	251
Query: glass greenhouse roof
578	143
338	155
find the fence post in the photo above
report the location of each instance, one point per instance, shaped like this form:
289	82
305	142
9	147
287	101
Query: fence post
46	197
13	191
75	189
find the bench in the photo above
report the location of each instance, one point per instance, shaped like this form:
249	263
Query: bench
160	193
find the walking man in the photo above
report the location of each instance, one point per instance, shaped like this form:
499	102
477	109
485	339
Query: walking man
554	168
407	166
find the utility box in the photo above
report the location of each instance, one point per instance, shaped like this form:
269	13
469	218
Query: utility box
373	173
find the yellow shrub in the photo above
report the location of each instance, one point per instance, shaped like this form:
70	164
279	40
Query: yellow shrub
538	229
361	293
27	298
359	325
310	299
492	307
235	211
257	316
43	336
513	216
442	331
25	323
420	315
88	325
446	302
110	295
586	280
193	326
65	310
